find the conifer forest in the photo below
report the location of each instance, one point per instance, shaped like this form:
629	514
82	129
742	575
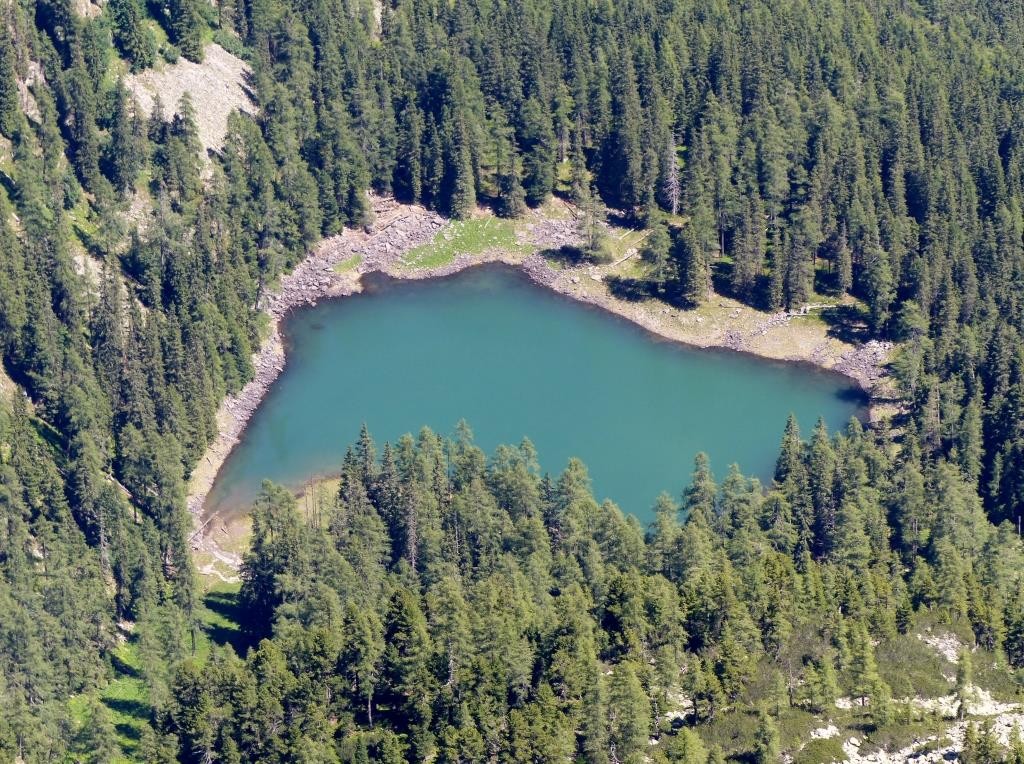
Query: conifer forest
439	602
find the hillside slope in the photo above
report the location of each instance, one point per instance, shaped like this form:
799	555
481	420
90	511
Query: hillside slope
783	155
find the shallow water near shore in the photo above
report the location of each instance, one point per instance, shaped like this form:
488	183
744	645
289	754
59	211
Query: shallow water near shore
514	359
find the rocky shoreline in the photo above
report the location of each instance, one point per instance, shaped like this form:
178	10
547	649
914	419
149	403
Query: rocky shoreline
397	229
400	228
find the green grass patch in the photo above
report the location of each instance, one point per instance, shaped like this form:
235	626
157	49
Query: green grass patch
731	731
619	241
819	751
993	674
160	39
219	617
125	698
348	265
902	734
81	220
465	237
555	263
128	702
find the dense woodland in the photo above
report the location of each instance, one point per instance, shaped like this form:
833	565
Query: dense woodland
775	149
452	608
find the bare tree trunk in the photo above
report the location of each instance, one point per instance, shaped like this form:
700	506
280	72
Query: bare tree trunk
672	187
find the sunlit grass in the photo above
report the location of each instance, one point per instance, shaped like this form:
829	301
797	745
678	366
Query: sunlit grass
464	237
125	698
348	265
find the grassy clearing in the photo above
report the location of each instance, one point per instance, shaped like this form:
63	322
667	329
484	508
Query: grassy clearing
81	220
348	265
465	237
992	673
213	569
735	731
219	618
817	751
620	241
902	734
125	699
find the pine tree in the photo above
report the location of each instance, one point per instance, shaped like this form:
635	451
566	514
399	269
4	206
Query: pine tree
10	103
80	107
878	289
766	739
590	226
405	677
511	196
964	691
185	28
459	182
868	685
656	253
537	141
749	249
692	267
624	177
821	685
131	36
842	264
360	660
123	157
408	172
629	714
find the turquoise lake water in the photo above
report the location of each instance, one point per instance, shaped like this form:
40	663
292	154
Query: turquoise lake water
514	360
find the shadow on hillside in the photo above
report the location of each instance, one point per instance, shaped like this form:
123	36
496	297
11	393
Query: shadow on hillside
133	708
128	732
633	290
567	254
225	604
846	323
121	667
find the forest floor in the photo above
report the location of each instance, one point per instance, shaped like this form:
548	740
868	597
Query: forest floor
411	242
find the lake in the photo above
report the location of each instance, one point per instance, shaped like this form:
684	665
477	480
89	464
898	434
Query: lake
515	359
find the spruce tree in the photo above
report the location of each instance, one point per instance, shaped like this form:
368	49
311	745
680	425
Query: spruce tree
185	28
132	38
766	739
10	103
537	140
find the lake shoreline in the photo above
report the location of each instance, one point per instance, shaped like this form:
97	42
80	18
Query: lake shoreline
332	270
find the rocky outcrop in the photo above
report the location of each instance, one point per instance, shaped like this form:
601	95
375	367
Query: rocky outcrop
866	363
